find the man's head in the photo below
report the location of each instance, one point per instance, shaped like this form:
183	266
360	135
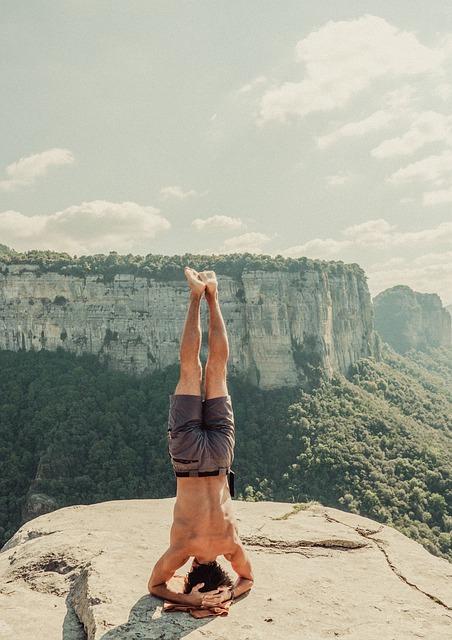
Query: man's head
210	573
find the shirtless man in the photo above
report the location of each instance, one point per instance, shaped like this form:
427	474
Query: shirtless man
201	439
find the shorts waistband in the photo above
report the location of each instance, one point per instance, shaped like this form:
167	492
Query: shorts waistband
194	473
227	471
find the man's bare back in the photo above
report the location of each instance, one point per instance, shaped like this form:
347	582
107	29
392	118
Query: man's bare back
204	526
203	518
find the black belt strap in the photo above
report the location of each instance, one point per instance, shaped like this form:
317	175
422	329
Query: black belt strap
201	474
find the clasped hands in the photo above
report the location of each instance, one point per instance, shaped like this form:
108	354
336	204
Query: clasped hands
208	599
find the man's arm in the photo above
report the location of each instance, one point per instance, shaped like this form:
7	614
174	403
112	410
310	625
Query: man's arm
241	564
171	560
163	571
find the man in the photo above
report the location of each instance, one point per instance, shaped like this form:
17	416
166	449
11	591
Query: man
201	445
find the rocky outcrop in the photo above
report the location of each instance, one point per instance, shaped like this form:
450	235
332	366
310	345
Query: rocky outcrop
407	319
81	573
281	324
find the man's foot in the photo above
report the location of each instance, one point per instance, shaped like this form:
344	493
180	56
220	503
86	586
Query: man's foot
196	285
211	282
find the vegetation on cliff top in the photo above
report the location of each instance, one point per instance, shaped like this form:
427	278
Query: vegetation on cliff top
164	267
378	444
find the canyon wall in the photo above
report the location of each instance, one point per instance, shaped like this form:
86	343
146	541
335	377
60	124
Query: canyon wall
282	325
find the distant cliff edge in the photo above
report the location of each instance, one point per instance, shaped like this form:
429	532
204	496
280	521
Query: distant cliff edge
407	319
287	318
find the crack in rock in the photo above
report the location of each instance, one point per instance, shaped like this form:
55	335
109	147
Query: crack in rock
295	546
368	533
79	601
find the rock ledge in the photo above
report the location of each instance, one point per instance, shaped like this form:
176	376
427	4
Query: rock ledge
80	573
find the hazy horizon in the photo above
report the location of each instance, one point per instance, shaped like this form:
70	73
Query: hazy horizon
202	127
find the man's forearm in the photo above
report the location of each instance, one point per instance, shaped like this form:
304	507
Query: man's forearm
241	586
162	591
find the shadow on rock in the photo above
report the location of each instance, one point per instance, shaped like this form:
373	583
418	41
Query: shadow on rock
147	621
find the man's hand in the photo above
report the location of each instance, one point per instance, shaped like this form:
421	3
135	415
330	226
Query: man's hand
214	598
201	599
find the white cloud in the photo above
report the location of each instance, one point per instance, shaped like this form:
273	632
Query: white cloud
25	171
428	126
366	243
252	242
318	248
373	234
338	179
217	223
443	90
440	196
434	168
253	84
374	122
370	232
91	227
341	59
177	192
430	273
396	103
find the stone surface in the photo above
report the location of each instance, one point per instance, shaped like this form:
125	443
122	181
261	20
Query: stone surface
279	322
407	319
319	573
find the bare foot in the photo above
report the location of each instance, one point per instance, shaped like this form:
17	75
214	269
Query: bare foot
196	285
211	282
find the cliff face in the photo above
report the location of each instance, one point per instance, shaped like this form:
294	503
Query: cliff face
407	319
280	323
81	573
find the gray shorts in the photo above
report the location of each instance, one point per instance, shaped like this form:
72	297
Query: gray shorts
201	433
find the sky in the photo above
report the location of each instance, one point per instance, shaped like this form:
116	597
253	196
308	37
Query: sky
210	126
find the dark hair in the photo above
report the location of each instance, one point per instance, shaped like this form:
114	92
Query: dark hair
211	573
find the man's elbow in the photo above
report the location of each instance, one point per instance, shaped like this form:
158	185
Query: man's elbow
154	589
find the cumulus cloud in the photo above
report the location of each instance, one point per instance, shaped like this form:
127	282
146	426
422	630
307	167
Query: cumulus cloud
395	104
428	126
251	242
338	179
341	59
246	88
374	234
430	273
27	170
434	168
217	223
177	192
423	258
440	196
374	122
90	227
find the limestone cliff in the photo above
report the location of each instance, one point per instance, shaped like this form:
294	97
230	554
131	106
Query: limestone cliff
80	573
407	319
280	323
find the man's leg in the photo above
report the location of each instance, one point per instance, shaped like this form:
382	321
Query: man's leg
217	359
190	363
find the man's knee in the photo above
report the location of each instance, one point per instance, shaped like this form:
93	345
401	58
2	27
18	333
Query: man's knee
189	372
216	370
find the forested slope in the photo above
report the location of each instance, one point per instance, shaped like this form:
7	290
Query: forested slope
378	443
